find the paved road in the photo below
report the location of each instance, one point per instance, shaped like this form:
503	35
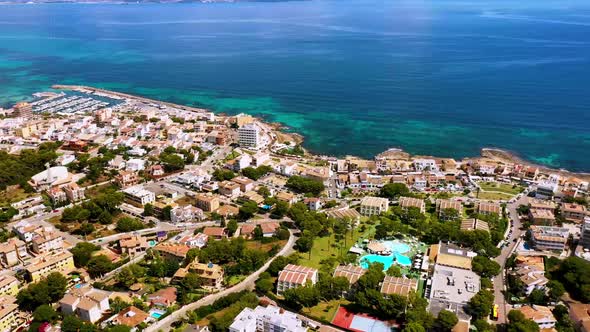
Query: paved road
248	283
500	280
162	226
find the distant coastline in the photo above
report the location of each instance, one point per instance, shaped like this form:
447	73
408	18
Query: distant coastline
488	153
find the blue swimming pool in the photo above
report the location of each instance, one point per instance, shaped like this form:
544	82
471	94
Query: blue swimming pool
156	314
397	249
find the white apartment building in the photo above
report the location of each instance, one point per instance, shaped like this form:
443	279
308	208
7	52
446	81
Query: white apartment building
139	195
250	136
267	319
293	276
425	165
374	205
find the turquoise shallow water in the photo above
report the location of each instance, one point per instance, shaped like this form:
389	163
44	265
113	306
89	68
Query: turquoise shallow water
355	77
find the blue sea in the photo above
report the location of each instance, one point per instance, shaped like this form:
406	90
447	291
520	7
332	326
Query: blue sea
435	77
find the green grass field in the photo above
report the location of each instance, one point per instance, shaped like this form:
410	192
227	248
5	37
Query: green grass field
494	196
327	247
325	310
501	187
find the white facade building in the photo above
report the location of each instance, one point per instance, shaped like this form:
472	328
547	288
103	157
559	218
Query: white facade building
267	319
249	135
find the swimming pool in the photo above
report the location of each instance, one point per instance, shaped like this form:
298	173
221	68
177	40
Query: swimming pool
397	249
156	314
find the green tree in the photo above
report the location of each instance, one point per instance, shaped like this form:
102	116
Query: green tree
232	227
148	210
480	305
446	320
263	191
128	224
279	210
556	290
414	327
264	285
518	323
248	210
99	265
82	253
191	281
303	185
537	296
71	323
485	267
45	313
223	174
394	190
394	271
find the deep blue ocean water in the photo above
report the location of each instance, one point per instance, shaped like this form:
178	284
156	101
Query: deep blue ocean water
355	77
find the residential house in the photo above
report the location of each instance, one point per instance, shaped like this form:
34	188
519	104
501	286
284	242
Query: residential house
211	274
40	267
9	285
573	212
472	224
74	192
313	203
57	195
269	229
287	197
549	238
207	203
126	179
135	165
540	315
86	302
443	205
408	202
267	319
229	188
198	240
9	314
133	245
163	298
293	276
139	196
228	210
399	286
489	208
351	272
373	205
247	231
130	316
245	183
46	241
12	252
174	251
216	233
531	271
187	213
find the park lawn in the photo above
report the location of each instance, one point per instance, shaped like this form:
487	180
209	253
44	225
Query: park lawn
327	247
501	187
233	280
265	246
94	191
494	195
325	311
12	196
